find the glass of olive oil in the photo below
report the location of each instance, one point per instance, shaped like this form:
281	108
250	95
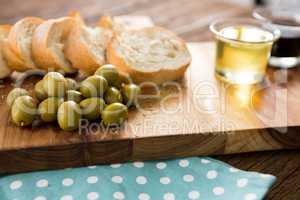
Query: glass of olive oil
243	47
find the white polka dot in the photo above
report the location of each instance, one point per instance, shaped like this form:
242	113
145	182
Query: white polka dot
119	195
265	175
242	182
161	165
66	197
193	195
144	196
92	196
218	191
141	180
250	196
138	164
117	165
67	182
165	180
40	198
205	161
188	178
42	183
169	196
16	185
184	163
212	174
92	179
117	179
92	167
233	170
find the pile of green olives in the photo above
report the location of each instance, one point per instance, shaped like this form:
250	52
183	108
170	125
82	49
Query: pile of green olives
105	96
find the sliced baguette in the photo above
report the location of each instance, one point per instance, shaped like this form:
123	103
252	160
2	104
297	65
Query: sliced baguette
86	48
76	15
18	44
48	44
12	60
125	22
4	68
150	54
109	22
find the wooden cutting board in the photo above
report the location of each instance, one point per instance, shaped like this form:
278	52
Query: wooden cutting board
198	115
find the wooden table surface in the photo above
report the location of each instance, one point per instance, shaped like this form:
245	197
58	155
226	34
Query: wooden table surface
190	19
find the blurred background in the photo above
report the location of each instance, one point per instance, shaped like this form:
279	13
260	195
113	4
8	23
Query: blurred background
188	18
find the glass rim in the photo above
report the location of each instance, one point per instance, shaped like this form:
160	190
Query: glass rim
244	21
257	14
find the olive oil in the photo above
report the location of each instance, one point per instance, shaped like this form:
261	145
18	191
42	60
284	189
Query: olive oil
243	53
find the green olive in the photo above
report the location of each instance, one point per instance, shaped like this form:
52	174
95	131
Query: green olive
93	86
68	116
92	108
39	91
114	114
71	84
23	111
130	94
48	108
54	84
14	94
73	95
110	73
112	95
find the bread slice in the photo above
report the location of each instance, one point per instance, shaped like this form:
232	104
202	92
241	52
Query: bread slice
75	14
4	69
109	22
150	54
48	44
125	22
12	60
86	48
18	44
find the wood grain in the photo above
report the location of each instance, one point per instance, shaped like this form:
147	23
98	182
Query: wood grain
197	116
284	164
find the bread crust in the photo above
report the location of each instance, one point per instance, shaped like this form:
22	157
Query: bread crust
80	54
44	36
5	28
125	22
76	15
12	61
105	22
15	55
4	68
157	77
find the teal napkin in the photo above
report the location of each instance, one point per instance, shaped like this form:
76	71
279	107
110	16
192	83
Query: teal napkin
182	179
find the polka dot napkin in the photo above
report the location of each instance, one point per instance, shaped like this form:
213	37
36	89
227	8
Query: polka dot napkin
182	179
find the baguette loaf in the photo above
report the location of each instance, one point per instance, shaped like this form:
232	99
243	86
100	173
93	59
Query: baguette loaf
4	69
150	54
18	44
48	44
86	48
